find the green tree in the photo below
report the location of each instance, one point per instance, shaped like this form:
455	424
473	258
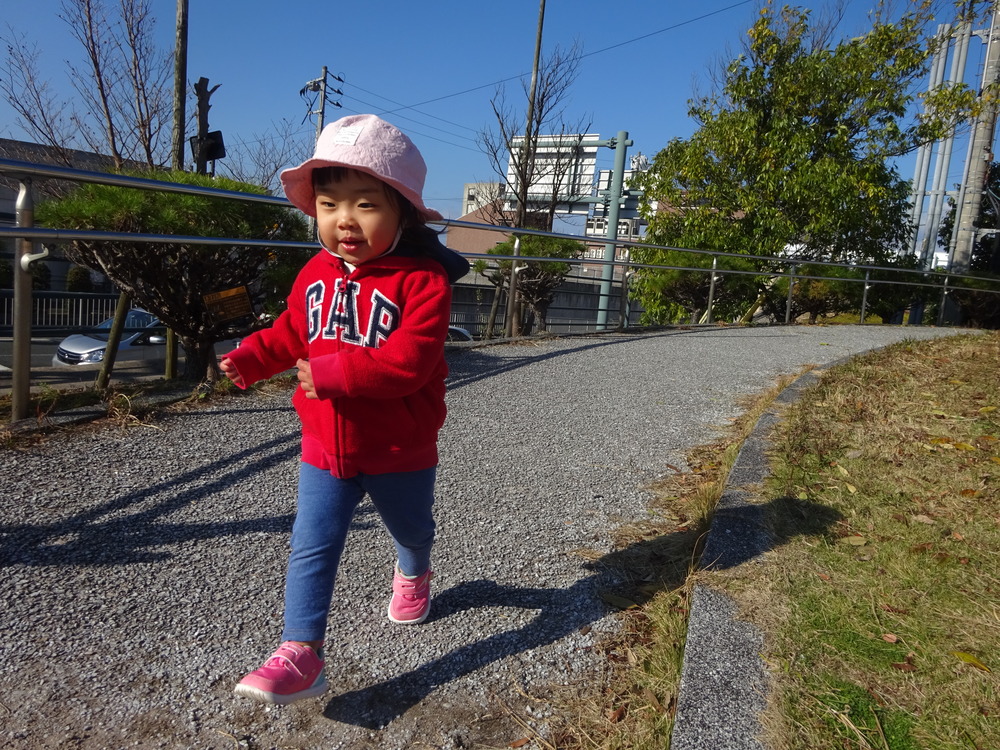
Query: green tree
537	280
794	156
169	279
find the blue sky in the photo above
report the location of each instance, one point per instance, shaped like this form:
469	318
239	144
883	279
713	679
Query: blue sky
431	68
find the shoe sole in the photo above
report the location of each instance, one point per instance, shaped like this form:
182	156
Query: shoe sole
416	621
314	691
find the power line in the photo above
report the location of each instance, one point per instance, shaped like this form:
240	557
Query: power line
426	114
404	117
589	54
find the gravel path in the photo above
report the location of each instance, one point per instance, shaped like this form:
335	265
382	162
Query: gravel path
142	571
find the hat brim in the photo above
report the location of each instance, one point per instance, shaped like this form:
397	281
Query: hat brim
298	185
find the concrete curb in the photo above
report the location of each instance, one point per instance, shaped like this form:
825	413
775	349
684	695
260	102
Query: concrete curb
724	681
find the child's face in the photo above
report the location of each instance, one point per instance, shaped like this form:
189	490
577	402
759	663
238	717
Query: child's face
355	217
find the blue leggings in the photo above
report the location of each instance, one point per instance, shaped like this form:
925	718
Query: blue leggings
325	510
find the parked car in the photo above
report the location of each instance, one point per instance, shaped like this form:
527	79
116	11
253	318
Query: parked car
458	334
144	338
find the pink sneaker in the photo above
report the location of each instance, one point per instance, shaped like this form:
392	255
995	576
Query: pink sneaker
292	673
411	598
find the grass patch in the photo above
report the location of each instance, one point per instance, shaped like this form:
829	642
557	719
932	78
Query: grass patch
885	629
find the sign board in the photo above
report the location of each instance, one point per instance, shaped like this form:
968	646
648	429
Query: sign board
564	166
229	304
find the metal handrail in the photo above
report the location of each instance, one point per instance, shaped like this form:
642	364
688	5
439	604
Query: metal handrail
26	172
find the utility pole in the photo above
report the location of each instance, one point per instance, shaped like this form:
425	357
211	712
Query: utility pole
180	84
526	159
319	85
620	144
980	155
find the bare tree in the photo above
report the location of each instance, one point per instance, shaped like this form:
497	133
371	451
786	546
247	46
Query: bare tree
508	145
40	113
124	103
261	158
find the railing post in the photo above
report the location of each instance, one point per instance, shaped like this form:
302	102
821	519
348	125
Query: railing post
512	327
20	393
623	307
711	291
791	288
864	297
944	301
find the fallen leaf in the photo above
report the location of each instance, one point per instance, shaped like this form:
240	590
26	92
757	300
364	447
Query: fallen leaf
854	454
823	576
926	546
957	537
970	659
617	715
987	410
968	493
995	459
890	637
941	441
904	666
900	517
842	470
851	488
854	540
618	602
921	518
650	696
894	610
520	743
965	447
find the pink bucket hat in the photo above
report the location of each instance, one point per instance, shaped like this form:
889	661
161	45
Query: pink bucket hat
368	144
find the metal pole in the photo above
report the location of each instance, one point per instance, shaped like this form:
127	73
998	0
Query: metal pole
623	308
978	163
510	329
788	302
944	301
943	163
614	205
864	297
711	291
924	154
21	374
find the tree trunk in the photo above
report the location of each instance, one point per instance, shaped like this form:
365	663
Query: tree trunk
494	308
200	363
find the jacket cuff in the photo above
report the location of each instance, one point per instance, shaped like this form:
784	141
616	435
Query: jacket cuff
247	365
328	376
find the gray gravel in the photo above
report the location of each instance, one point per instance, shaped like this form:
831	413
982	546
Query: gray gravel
142	571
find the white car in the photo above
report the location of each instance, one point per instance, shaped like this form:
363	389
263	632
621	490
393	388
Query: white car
144	338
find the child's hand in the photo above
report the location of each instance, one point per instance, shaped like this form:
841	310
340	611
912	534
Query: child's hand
306	378
230	371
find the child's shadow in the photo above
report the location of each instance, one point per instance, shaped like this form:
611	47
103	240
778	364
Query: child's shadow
563	611
560	612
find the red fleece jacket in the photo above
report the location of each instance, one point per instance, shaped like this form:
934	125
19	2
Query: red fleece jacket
374	338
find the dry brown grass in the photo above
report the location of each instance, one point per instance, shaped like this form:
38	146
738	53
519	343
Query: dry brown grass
884	631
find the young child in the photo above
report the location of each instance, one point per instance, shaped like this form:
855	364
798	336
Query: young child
365	326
